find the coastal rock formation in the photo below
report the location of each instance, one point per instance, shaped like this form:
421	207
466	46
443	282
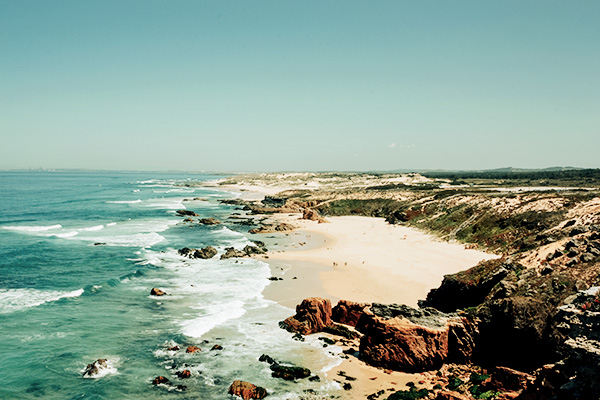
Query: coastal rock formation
186	213
186	373
95	368
410	340
273	228
161	380
157	292
287	372
450	395
209	221
578	331
247	251
397	337
203	253
469	288
348	312
247	390
193	349
313	215
312	315
514	332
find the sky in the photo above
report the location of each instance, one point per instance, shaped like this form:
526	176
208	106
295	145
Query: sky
299	85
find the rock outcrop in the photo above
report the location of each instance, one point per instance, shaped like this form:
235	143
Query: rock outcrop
514	332
209	221
313	215
287	372
157	292
161	380
193	349
273	228
348	312
185	374
186	213
397	337
312	315
578	333
247	390
469	288
247	251
95	368
405	339
203	253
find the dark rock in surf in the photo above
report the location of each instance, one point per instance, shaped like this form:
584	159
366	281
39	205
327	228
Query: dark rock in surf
183	374
203	253
193	349
186	213
94	368
161	380
157	292
209	221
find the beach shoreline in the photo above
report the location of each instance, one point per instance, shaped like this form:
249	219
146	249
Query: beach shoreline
360	259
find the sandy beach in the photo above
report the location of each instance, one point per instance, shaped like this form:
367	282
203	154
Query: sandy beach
364	259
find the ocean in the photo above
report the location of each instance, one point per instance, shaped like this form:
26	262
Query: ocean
79	254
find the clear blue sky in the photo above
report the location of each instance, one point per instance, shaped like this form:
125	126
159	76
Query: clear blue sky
299	85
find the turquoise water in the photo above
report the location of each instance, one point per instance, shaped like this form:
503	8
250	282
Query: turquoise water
65	302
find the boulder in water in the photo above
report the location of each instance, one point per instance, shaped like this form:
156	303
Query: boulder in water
193	349
94	368
157	292
161	380
247	390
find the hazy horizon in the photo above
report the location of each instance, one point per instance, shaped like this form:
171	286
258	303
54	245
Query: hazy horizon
299	86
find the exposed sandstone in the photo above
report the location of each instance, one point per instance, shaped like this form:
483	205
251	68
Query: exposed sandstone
402	345
312	315
313	215
247	390
348	312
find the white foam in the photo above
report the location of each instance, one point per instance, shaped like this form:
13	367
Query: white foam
93	228
135	240
213	315
18	299
125	201
168	204
111	224
32	228
65	235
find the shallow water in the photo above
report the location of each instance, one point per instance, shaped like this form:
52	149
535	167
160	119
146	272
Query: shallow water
65	302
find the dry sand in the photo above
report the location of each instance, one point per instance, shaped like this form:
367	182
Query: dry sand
366	259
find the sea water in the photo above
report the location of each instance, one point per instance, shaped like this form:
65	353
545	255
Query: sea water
79	254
